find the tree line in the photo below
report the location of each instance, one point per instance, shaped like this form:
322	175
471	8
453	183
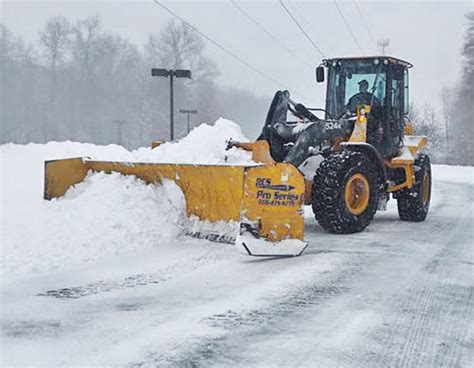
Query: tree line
458	105
82	82
451	132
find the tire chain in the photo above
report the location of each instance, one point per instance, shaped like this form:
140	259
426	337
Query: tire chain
327	184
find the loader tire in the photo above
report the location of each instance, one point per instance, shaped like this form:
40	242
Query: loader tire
345	193
413	204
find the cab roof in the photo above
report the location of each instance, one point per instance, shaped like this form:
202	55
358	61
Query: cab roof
390	59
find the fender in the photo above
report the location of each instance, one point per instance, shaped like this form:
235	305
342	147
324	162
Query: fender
373	155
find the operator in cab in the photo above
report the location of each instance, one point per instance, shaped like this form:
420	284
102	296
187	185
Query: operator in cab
362	98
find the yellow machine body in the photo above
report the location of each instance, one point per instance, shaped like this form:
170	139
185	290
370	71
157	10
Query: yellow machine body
267	198
406	157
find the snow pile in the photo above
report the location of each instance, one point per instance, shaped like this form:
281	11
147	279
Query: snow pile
102	216
106	214
205	144
454	174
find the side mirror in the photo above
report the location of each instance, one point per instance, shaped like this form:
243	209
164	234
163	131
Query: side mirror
320	74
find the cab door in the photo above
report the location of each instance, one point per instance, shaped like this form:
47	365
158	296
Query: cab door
397	106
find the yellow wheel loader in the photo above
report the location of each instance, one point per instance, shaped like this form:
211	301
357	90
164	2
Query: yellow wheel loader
345	164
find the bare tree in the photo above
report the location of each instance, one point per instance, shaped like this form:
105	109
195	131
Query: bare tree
426	122
447	99
17	104
468	53
84	42
7	62
55	40
6	45
178	46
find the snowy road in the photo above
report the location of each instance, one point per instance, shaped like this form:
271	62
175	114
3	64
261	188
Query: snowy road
397	295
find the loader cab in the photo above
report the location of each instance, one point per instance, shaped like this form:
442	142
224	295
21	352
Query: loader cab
382	83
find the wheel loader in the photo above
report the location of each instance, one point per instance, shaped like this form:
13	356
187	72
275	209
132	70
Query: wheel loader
345	164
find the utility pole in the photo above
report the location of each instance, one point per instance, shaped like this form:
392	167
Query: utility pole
119	127
187	112
178	73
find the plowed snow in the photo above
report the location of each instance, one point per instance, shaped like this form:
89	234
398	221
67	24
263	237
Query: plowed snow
106	214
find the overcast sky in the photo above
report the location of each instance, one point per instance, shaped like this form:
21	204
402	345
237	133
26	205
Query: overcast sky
427	33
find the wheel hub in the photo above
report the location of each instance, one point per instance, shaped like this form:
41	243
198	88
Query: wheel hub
357	194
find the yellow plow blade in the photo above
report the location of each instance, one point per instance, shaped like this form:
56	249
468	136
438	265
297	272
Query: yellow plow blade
273	205
266	200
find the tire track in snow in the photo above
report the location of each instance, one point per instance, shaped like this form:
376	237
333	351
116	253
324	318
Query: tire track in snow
433	301
136	280
28	328
236	326
293	302
450	351
381	345
436	305
438	302
418	306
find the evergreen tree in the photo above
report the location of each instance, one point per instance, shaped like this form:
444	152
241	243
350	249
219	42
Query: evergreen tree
462	130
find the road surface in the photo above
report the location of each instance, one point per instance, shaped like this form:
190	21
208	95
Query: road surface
397	295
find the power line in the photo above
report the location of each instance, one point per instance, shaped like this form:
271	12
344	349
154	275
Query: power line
298	13
301	29
349	27
222	48
269	34
369	31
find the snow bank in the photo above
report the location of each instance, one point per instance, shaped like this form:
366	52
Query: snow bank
102	216
205	145
106	214
454	174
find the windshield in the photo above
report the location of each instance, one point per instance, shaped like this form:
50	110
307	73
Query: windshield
353	83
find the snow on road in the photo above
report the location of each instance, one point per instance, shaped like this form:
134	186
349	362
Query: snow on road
396	295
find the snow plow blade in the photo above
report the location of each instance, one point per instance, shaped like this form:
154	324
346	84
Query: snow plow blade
267	200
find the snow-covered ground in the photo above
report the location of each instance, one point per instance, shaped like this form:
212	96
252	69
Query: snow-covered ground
104	215
105	276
